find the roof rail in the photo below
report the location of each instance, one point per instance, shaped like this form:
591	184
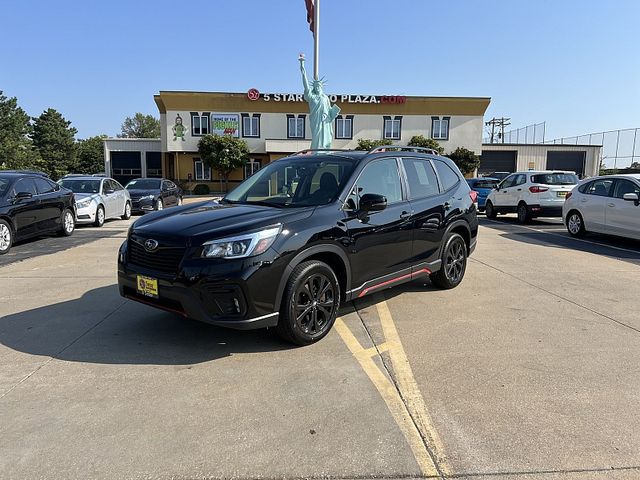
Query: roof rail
26	172
307	151
408	148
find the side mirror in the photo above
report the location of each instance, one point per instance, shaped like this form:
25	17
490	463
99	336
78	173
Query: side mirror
372	202
23	196
631	197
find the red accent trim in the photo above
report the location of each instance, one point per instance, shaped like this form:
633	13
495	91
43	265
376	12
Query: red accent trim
393	280
151	304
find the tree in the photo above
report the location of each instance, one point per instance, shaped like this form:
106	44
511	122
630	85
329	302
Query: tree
15	146
54	139
366	144
635	165
465	159
223	153
422	141
90	155
140	126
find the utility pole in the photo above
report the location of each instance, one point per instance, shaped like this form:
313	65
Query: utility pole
500	123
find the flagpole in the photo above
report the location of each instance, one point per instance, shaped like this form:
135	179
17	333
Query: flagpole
316	38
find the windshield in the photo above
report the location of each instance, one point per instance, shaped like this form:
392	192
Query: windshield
295	182
77	185
4	184
143	185
555	179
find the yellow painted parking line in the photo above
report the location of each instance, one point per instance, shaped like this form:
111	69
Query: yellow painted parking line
392	398
409	387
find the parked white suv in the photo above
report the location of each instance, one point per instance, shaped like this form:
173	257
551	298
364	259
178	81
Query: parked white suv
607	205
531	194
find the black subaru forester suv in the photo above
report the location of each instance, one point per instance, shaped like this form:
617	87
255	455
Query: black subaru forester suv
303	235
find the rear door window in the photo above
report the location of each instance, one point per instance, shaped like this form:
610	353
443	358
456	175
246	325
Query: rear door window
25	185
421	177
601	187
448	178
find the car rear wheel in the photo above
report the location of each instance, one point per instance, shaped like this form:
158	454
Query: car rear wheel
6	237
99	217
127	212
454	263
179	201
490	211
523	213
159	205
68	224
575	224
310	303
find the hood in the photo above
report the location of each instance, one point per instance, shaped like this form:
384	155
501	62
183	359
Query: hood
135	193
210	220
83	196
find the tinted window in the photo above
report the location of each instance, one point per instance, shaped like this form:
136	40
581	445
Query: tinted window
4	185
116	186
143	185
600	187
77	185
520	179
381	177
508	182
555	179
484	184
421	177
447	176
584	187
625	186
43	186
25	185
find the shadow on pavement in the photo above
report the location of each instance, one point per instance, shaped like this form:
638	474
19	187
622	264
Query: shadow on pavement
88	329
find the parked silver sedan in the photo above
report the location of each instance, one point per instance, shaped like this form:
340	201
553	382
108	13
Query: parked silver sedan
98	198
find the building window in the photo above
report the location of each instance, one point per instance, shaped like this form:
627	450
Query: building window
251	167
344	127
199	123
392	127
251	125
295	126
201	171
440	128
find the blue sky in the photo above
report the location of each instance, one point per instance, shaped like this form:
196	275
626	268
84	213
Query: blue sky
575	64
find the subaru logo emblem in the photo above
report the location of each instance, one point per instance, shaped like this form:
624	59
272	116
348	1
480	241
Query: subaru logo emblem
150	245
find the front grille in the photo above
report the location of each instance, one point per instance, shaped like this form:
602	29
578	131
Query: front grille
164	259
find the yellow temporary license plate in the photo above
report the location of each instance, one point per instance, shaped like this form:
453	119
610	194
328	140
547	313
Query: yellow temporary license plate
562	194
148	286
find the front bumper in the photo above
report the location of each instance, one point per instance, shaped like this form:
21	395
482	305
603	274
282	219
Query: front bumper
139	206
86	214
239	294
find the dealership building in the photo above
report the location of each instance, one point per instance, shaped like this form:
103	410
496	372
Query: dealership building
277	124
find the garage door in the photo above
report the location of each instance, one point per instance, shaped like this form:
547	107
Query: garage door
497	161
573	161
125	166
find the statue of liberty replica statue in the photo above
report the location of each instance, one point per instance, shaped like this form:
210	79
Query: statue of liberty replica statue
321	112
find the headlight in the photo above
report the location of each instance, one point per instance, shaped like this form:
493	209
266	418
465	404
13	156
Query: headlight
242	245
147	197
83	203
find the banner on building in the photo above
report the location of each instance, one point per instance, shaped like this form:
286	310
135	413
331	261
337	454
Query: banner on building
225	124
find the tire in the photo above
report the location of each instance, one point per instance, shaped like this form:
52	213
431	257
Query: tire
523	213
6	237
575	224
68	224
99	217
127	211
179	202
490	211
310	303
159	205
454	263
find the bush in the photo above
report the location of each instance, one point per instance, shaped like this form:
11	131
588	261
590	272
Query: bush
366	144
201	189
424	142
465	159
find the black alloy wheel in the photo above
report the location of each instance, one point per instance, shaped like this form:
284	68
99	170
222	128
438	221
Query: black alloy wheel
310	304
454	263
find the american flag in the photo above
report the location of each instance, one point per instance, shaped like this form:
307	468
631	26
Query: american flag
310	14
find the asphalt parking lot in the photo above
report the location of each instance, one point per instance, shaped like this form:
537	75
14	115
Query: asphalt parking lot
529	370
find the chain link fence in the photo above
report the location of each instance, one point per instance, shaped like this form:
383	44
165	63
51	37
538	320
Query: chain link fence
533	133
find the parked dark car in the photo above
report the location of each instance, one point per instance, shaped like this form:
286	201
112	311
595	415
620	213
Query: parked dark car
304	234
30	205
483	186
148	194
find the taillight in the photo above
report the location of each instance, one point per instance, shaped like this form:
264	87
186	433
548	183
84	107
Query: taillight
536	189
474	195
568	196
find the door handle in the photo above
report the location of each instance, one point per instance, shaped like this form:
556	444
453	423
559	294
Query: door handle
404	215
519	189
610	205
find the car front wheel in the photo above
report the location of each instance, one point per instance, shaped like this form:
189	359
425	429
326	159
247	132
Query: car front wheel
490	211
68	224
6	237
127	212
99	217
575	224
310	304
159	205
454	263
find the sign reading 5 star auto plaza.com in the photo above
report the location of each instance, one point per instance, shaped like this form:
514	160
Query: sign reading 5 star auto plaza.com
255	95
